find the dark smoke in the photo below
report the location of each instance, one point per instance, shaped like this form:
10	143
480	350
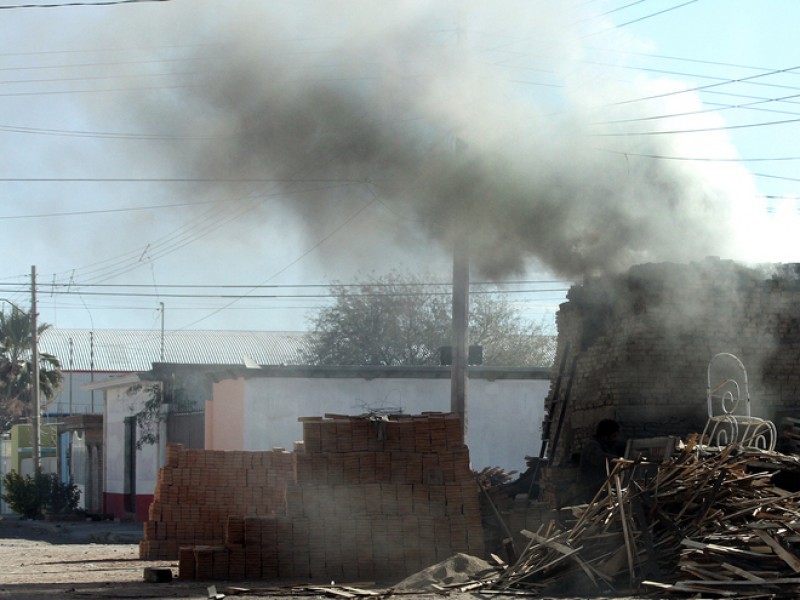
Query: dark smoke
412	108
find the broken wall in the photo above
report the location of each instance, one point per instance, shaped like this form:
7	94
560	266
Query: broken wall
635	347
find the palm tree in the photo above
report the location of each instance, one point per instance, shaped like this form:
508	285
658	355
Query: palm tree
16	369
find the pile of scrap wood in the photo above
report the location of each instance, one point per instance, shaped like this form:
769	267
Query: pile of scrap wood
711	523
494	477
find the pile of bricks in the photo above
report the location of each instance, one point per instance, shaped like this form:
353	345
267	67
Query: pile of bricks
395	496
372	500
198	490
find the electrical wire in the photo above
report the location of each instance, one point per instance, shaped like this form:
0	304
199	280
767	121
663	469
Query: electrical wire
655	14
251	296
70	4
640	19
699	130
699	158
335	284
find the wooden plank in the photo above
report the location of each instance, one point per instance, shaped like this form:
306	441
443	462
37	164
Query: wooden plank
742	583
550	543
500	562
786	556
742	573
657	584
359	591
630	548
563	549
720	549
333	591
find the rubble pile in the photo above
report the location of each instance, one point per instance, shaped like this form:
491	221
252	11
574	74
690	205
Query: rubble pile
710	523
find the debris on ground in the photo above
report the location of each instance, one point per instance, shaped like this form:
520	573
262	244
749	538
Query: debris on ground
157	574
704	521
342	592
457	570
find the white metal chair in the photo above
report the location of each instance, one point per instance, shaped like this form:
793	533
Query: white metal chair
728	399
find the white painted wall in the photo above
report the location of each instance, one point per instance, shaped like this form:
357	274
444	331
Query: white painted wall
73	399
503	423
119	404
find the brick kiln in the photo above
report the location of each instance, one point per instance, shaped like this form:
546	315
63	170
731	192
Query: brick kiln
635	347
359	498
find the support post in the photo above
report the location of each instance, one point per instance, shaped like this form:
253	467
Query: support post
458	372
35	384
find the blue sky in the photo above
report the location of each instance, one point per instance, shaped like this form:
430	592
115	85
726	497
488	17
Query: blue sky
227	160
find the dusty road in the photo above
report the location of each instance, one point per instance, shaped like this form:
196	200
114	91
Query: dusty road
79	560
87	561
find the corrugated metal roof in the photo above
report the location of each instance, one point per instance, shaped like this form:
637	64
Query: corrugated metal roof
124	350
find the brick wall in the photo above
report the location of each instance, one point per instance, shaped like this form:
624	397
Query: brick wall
369	499
643	340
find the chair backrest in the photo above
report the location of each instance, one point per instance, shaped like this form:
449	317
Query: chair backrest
654	449
727	392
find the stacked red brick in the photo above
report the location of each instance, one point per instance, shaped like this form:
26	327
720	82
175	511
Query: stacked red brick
391	497
198	490
373	499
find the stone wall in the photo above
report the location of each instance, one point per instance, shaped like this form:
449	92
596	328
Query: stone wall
638	346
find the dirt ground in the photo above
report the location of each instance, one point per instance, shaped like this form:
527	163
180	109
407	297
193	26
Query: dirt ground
90	560
52	560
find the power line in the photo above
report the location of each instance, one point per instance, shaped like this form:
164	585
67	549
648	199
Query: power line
370	284
251	296
102	134
776	177
750	79
93	64
68	4
700	130
719	109
336	230
656	14
182	180
639	19
105	51
614	10
699	158
713	63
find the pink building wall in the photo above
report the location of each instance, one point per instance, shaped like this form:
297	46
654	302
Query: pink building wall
225	416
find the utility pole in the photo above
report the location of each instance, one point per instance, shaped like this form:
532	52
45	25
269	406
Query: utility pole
458	371
460	323
162	331
36	391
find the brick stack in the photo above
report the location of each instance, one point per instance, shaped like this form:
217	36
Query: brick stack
373	499
393	496
198	490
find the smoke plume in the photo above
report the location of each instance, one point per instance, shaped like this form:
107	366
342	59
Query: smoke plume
489	123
